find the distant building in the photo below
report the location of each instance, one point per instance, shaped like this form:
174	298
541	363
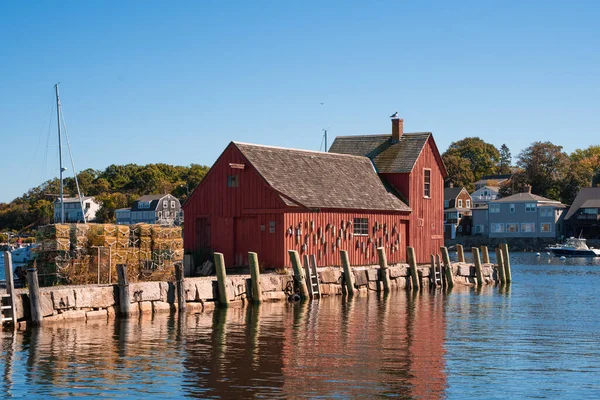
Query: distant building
583	217
479	218
523	215
457	211
482	196
74	211
164	209
493	180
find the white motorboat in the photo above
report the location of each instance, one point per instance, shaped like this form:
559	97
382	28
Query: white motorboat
574	247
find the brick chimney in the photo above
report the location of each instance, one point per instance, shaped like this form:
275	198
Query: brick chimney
397	128
451	185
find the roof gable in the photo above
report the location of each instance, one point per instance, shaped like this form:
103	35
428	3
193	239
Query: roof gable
585	199
451	193
387	155
321	180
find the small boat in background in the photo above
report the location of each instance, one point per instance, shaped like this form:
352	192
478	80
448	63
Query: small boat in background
574	247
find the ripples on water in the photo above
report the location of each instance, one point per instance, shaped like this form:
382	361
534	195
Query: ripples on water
537	339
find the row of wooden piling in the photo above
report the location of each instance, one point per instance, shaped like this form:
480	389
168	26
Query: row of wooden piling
480	256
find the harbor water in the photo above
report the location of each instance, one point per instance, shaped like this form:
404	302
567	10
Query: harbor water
537	338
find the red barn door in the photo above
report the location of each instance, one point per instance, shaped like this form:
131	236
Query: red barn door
246	238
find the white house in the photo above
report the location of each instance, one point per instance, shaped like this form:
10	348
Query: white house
74	211
482	196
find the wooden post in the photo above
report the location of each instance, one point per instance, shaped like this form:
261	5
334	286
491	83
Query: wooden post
461	253
500	269
34	296
432	281
348	275
448	265
255	277
306	274
506	255
412	262
438	263
221	279
124	303
485	255
180	286
477	262
295	260
383	269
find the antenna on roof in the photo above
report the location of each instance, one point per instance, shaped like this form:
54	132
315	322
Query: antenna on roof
324	139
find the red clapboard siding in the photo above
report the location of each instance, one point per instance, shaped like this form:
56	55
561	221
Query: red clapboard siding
427	219
222	205
327	254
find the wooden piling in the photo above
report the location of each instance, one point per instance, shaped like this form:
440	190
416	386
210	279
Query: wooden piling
485	255
383	269
221	279
448	267
477	262
506	255
255	277
35	304
412	262
180	286
297	266
500	269
348	275
124	303
460	252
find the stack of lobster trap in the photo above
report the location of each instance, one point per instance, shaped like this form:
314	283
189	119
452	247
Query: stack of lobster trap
89	253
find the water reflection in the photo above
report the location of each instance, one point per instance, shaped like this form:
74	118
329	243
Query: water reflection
366	346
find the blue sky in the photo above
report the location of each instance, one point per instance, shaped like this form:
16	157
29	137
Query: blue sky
174	82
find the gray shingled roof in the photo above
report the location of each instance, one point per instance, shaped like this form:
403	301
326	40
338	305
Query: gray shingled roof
387	156
586	198
523	197
321	180
451	193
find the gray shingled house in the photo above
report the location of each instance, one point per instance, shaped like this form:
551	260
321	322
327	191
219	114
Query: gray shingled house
583	217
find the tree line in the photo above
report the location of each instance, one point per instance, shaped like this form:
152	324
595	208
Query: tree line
115	187
544	166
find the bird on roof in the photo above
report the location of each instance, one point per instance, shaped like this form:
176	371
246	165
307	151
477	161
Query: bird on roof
394	115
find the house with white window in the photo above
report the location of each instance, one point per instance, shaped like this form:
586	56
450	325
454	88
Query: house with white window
164	209
75	208
482	196
523	215
457	211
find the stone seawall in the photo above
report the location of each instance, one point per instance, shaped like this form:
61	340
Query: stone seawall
94	302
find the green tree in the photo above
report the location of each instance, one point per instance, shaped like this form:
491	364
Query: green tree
483	157
504	166
459	172
544	166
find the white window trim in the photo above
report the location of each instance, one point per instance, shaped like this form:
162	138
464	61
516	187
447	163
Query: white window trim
459	203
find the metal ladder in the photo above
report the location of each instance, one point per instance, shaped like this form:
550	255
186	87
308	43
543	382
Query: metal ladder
436	269
7	300
311	276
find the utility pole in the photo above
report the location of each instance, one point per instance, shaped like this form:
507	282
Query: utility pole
325	134
62	199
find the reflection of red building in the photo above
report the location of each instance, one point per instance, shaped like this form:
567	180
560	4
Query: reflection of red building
367	347
270	200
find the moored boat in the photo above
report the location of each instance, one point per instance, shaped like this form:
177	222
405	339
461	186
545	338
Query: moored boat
574	247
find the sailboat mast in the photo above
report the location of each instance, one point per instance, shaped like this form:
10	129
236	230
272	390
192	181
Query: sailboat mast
62	199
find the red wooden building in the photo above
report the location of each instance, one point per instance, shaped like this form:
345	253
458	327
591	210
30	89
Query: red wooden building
412	165
270	200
